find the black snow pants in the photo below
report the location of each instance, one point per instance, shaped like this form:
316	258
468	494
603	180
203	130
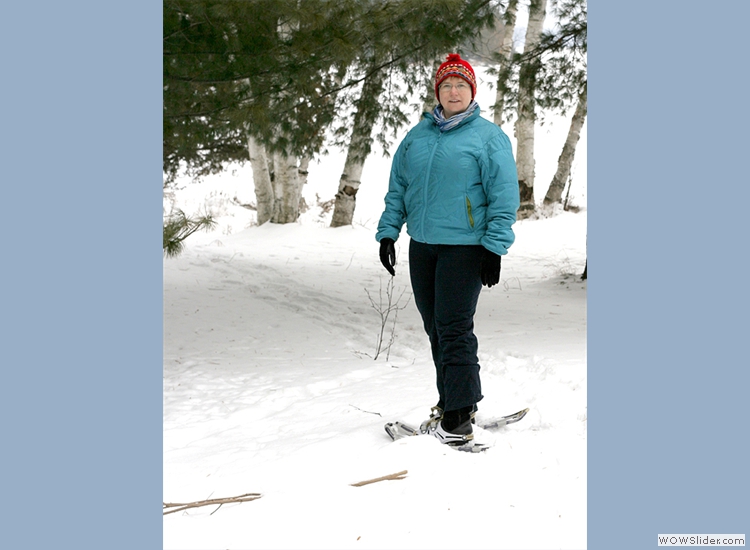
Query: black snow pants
446	284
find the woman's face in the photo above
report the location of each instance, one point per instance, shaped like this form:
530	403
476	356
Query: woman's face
455	95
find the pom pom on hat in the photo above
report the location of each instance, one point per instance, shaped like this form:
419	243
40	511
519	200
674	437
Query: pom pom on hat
455	66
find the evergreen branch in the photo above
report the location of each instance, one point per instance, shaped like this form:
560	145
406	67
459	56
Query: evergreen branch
550	46
198	114
315	100
179	227
208	54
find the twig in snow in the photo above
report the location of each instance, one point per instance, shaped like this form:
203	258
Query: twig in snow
506	283
179	506
364	411
397	475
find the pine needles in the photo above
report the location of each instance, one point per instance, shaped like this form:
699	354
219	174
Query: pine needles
178	227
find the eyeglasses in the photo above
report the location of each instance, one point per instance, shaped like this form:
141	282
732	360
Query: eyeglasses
447	86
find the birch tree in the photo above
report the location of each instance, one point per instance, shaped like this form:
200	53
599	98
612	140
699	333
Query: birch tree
563	83
264	194
565	161
524	127
278	176
286	188
359	148
504	61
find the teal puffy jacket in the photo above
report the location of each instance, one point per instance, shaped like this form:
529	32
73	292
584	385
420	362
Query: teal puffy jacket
454	187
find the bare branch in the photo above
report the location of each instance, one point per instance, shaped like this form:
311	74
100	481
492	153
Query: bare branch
397	475
364	411
185	505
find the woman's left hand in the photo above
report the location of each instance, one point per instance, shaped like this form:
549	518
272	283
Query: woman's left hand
490	268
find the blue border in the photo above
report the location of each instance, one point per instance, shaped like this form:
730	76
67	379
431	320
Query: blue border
81	276
668	298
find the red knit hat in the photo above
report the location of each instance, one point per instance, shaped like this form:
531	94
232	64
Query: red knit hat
455	66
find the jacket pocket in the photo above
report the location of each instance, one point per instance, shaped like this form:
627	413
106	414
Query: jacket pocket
468	211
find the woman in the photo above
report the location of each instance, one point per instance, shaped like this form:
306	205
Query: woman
454	183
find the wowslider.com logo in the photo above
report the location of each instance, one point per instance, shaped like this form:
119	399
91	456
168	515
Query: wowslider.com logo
701	540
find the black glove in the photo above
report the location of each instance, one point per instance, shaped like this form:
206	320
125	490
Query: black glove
388	254
490	268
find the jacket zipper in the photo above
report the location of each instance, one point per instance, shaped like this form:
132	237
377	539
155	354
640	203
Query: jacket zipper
427	181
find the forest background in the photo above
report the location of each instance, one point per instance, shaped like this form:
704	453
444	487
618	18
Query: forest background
279	83
93	431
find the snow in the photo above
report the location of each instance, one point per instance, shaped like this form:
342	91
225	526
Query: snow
270	385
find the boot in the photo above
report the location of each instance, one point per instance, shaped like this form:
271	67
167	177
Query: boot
455	427
436	415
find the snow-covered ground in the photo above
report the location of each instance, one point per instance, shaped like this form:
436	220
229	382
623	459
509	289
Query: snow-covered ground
270	385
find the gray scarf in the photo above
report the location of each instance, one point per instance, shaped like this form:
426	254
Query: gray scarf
450	123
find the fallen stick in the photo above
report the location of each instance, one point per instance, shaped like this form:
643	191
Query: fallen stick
397	475
185	505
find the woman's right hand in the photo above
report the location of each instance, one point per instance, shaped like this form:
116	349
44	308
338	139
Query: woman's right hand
388	254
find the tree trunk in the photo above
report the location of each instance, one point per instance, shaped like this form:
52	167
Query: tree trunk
278	184
302	171
524	128
286	189
346	198
285	179
503	69
264	197
359	148
554	193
